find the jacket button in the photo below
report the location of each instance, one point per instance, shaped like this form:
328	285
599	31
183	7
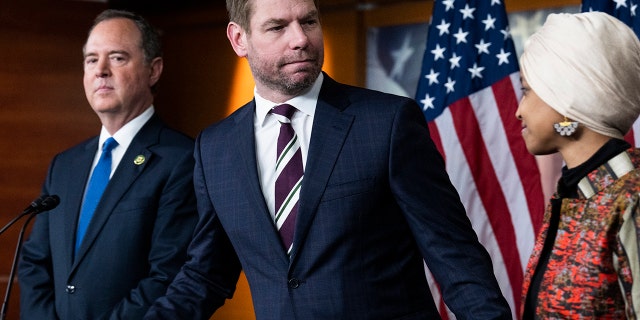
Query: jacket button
70	289
294	283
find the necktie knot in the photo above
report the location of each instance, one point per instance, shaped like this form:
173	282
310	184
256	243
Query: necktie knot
109	144
285	110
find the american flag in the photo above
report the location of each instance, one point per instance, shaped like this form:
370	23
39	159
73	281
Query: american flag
469	91
626	11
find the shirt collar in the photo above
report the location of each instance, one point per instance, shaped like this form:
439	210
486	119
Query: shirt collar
125	135
305	103
568	183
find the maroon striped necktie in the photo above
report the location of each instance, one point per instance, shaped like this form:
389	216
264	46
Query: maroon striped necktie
289	172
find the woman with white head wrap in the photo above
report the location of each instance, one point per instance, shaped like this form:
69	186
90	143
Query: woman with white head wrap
581	95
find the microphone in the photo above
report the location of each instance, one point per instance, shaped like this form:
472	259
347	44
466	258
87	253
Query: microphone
48	203
41	204
35	204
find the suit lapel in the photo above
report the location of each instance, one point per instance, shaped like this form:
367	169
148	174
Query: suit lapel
330	129
78	176
126	173
250	181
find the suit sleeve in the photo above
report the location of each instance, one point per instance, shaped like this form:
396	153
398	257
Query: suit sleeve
210	275
35	271
172	233
460	264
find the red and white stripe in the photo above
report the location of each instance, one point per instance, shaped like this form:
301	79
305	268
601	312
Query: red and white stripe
498	180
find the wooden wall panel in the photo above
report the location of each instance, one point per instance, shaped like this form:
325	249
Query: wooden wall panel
195	87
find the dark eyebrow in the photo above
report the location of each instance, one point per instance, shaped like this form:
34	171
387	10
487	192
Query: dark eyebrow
311	15
119	52
273	22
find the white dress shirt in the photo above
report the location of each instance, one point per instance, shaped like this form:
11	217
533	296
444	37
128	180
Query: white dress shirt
267	129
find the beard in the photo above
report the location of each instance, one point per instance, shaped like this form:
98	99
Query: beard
290	83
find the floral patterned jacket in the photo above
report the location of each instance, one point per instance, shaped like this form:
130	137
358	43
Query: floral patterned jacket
594	260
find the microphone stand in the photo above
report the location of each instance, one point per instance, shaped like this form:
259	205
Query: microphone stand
13	221
34	207
5	303
44	203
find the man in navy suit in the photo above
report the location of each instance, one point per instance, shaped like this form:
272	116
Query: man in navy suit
374	200
137	237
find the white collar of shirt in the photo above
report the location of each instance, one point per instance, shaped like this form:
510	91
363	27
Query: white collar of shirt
124	136
305	103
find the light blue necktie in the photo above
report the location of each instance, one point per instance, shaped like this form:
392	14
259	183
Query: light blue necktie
95	188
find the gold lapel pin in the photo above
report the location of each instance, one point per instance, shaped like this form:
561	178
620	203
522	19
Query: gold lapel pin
139	160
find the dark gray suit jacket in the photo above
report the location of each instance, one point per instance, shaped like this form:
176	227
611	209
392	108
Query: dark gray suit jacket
375	201
135	243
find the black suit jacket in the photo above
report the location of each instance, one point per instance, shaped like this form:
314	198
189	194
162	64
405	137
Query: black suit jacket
375	201
135	243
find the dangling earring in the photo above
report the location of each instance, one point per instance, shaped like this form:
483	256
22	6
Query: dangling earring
566	127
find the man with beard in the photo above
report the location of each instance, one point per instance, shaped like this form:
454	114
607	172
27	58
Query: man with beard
328	196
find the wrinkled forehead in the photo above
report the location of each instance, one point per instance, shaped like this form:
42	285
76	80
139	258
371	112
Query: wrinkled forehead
114	32
284	10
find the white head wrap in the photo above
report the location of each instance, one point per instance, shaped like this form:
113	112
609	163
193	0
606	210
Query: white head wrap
586	66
